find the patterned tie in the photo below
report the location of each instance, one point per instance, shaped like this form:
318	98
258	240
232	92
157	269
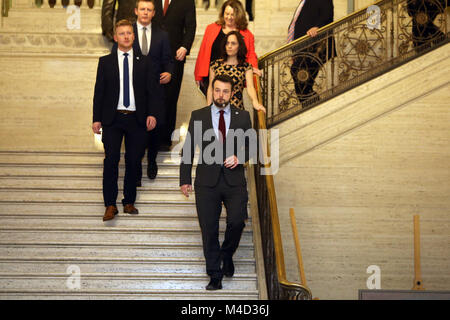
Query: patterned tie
294	20
222	126
166	6
126	82
144	41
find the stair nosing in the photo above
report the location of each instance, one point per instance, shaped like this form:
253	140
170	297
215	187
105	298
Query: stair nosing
108	229
168	245
182	292
128	276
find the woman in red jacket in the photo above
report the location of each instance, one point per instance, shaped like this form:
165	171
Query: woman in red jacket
231	18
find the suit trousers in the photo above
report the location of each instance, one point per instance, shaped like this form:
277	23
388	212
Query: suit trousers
172	92
153	142
135	142
304	87
209	207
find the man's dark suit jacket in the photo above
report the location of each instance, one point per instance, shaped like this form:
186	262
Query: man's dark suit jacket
160	52
315	13
147	91
180	22
208	174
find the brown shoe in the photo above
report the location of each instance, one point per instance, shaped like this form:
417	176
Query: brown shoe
110	213
130	209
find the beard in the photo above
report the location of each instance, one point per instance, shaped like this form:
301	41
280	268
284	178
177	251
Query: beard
221	103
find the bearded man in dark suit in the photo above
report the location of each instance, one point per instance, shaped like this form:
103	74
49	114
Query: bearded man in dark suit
220	176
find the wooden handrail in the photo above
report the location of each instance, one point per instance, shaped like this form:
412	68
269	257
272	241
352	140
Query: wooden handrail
298	249
278	244
418	283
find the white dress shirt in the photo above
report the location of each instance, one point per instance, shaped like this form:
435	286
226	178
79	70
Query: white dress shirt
121	57
148	32
215	114
162	3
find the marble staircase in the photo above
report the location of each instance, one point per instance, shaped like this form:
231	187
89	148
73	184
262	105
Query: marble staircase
51	226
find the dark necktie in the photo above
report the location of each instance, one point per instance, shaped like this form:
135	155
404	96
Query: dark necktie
166	6
222	126
126	82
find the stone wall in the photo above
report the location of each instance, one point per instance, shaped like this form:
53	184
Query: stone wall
357	168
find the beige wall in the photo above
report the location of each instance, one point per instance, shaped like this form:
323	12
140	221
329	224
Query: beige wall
361	4
355	194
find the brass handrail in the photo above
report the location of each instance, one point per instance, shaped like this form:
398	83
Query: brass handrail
300	291
349	52
320	31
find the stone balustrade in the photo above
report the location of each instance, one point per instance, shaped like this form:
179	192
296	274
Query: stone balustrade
86	3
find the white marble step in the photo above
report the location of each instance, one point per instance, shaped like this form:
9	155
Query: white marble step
73	169
139	253
223	295
13	182
174	266
116	236
116	281
123	221
18	157
147	210
88	194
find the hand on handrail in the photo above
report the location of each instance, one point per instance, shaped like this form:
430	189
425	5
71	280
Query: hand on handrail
259	107
257	71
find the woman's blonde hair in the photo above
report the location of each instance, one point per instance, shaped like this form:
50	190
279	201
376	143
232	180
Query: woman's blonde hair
239	14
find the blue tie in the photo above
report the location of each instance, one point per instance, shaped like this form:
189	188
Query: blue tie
126	82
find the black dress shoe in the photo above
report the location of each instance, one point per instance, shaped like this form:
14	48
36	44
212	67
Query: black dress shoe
152	170
214	284
228	267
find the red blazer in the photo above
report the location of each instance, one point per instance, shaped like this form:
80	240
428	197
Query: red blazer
204	54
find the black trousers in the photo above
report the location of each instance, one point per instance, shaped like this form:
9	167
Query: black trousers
209	207
124	126
152	145
309	69
306	66
172	92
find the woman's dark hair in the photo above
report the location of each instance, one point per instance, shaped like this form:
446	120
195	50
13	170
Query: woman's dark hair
242	51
